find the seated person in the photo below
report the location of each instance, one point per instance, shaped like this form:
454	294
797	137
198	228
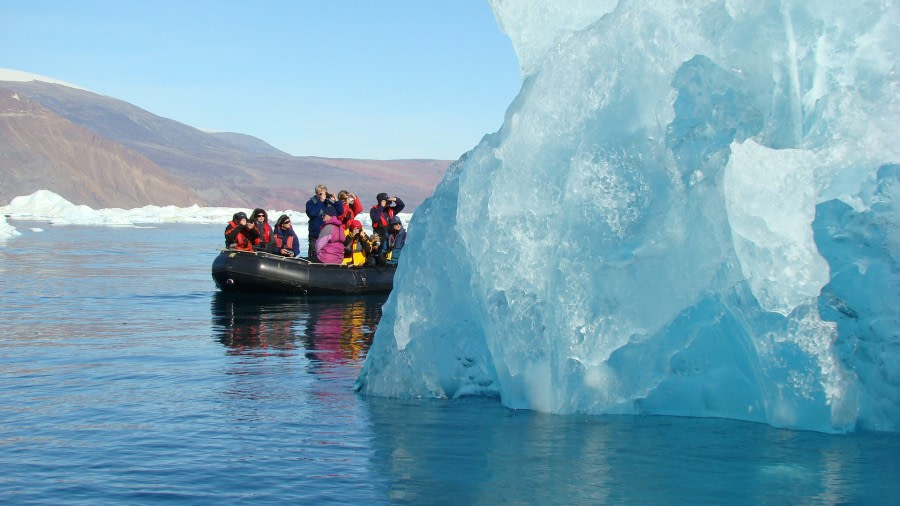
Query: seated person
266	239
240	234
357	246
286	241
393	243
330	244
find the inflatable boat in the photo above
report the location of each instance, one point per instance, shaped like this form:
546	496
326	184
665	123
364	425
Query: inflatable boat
256	271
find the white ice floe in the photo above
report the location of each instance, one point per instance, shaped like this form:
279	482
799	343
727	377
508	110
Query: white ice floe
44	205
7	230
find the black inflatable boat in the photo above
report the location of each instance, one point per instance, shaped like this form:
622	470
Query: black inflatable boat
246	271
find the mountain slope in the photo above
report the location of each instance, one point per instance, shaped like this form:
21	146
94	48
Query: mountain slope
227	169
42	150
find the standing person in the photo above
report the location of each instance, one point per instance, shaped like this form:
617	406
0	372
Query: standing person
352	207
240	234
266	240
286	241
330	244
394	241
315	207
383	211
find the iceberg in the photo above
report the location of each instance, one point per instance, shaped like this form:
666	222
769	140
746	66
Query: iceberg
7	230
690	209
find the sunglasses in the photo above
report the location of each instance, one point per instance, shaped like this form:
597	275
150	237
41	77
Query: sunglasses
286	223
260	215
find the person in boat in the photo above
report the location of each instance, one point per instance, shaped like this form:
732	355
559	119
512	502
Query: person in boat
266	239
382	212
240	233
315	208
394	242
357	246
352	207
330	244
286	241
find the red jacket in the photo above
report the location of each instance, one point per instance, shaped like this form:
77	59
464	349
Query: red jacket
239	236
350	212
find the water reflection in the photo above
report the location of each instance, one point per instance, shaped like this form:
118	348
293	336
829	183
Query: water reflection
328	329
499	455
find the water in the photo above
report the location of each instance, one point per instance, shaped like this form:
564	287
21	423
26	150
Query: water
127	378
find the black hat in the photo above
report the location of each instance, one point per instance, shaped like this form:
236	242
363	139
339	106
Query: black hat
395	220
330	211
380	197
238	216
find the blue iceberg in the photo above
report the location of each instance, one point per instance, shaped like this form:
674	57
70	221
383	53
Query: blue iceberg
691	208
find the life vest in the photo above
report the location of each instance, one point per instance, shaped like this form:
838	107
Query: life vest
240	240
357	253
381	226
265	235
288	244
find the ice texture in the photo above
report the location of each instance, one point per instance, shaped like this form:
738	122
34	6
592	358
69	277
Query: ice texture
691	208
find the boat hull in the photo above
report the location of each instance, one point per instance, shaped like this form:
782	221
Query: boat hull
245	271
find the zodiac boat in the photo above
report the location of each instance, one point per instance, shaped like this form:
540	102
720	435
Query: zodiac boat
256	271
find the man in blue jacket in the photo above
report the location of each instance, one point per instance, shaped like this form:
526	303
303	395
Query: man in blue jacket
315	208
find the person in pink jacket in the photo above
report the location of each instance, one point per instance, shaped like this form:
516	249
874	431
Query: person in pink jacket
330	244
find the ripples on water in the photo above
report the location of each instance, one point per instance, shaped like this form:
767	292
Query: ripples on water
127	378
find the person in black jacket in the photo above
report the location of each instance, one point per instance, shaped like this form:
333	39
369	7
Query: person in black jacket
382	212
240	233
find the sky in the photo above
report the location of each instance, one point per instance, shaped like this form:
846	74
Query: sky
385	79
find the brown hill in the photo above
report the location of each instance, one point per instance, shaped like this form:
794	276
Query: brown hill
221	169
41	150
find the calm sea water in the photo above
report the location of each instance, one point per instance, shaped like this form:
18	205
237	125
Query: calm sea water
127	378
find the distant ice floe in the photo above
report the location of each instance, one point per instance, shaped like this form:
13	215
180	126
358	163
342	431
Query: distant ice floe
7	230
44	205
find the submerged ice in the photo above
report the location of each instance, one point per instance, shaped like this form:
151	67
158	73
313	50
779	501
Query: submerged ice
690	209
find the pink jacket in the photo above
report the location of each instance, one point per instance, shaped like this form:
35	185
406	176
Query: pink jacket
330	244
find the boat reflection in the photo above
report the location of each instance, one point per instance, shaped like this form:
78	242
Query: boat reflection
329	329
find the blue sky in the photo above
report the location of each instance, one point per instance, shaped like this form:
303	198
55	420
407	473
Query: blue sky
358	79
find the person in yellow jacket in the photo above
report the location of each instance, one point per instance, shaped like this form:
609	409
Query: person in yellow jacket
357	245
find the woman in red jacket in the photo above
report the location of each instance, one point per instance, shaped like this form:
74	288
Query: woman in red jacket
352	207
266	239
